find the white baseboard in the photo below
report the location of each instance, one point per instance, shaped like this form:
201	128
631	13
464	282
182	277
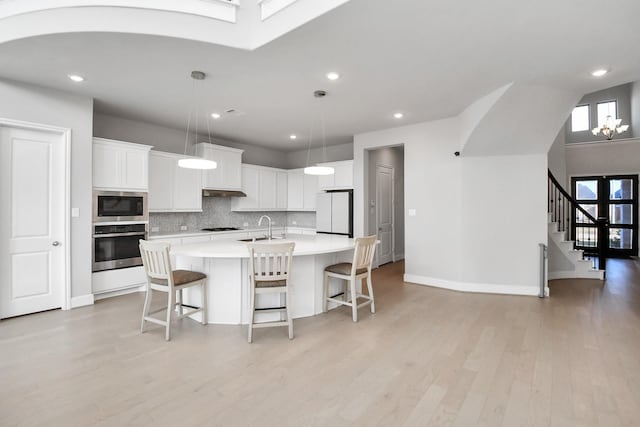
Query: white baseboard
555	275
119	292
82	301
483	288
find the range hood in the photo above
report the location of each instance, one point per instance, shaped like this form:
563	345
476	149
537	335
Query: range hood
222	193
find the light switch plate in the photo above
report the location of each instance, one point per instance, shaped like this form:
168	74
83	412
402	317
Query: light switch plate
412	212
183	228
75	212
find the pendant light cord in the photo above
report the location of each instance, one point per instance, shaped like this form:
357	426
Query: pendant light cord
186	138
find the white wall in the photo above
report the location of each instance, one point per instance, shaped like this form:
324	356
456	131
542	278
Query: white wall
40	105
556	159
432	188
171	140
478	219
392	157
504	204
603	158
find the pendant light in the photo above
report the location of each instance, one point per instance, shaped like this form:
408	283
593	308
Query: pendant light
317	169
195	162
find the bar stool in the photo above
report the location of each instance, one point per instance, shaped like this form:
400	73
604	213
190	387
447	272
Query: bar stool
270	265
360	269
160	277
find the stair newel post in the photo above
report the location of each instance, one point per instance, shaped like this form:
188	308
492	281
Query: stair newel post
603	242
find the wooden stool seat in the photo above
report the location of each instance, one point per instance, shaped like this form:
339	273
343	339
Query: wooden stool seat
270	266
359	269
160	277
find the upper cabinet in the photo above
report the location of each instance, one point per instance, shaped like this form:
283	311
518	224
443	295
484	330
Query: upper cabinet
302	189
119	165
266	189
342	179
228	174
172	188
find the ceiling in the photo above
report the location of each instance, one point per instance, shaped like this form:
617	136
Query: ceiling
426	59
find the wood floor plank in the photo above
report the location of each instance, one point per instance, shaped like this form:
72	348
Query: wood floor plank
427	356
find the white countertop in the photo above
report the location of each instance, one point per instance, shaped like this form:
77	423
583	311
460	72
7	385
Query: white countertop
305	245
191	233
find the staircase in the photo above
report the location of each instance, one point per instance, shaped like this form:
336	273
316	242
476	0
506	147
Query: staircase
565	261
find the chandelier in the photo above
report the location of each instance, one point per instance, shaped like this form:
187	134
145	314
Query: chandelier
610	127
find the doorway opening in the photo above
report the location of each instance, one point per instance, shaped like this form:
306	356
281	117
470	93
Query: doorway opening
385	202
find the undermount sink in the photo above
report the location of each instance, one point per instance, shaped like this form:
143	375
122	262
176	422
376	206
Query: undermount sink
258	239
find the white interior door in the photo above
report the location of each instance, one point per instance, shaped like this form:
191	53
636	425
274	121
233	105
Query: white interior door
384	203
32	230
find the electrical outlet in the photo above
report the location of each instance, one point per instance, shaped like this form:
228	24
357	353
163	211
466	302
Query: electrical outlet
183	228
155	229
412	212
246	224
294	223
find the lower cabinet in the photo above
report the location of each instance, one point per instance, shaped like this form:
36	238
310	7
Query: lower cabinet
172	188
117	280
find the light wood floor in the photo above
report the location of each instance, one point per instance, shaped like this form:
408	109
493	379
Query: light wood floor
428	357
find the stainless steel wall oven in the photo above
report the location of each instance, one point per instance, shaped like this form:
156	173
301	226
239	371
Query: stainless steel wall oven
116	245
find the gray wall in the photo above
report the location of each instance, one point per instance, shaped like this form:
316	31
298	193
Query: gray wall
45	106
622	94
172	140
635	110
298	159
392	157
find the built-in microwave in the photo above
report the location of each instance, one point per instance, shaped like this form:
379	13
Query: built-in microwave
112	206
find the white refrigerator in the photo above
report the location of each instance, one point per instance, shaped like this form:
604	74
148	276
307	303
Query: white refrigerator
334	213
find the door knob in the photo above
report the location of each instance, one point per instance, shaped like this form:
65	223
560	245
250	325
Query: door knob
56	243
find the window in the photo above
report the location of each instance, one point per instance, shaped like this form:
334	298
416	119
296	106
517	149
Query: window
606	109
580	118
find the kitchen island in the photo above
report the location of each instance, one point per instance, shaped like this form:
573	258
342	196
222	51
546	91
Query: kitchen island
226	264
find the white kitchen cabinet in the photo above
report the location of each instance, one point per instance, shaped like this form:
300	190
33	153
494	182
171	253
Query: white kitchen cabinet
228	174
301	190
281	190
172	188
250	187
265	189
342	179
119	165
117	280
310	183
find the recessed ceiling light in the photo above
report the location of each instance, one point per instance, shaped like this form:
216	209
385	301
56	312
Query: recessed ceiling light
333	75
292	137
599	73
76	78
398	115
215	115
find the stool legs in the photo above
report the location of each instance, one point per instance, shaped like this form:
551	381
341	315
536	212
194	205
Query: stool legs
354	299
145	309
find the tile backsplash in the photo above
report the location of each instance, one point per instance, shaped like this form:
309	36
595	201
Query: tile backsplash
216	212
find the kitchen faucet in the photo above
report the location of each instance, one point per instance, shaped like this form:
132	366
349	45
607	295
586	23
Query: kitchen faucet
270	236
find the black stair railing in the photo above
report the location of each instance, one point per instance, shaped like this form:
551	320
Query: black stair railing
565	211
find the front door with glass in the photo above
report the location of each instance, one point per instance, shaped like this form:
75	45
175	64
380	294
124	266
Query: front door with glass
614	198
